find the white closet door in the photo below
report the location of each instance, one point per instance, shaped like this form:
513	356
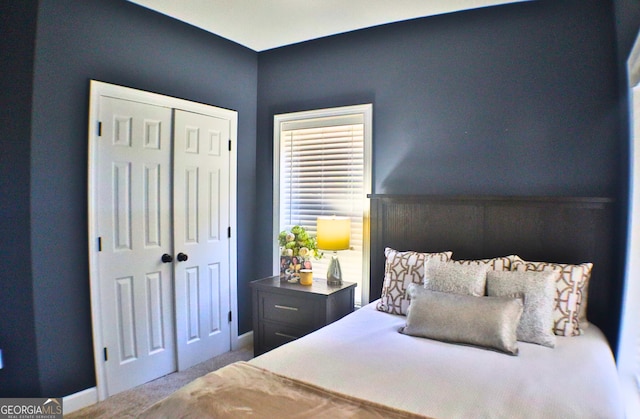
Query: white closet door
201	221
156	191
133	220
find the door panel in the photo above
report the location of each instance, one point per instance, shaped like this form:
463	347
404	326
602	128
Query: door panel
126	319
156	316
151	209
201	195
133	221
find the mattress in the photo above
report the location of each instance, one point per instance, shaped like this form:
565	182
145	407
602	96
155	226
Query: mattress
363	356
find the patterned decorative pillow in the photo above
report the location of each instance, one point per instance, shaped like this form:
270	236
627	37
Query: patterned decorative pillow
571	294
538	290
449	276
400	270
497	264
487	322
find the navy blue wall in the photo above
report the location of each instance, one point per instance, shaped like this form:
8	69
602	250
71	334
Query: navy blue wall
17	329
519	99
120	43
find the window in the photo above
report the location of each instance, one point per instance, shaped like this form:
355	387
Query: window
322	167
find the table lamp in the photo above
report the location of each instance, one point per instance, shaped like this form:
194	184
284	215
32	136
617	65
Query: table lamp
333	233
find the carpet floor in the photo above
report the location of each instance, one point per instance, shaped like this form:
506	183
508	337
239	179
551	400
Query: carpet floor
130	403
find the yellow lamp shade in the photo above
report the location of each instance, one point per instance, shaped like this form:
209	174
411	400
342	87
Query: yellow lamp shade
333	233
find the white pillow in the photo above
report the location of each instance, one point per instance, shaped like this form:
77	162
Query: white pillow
402	269
502	263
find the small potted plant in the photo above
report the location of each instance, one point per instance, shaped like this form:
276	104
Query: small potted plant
297	248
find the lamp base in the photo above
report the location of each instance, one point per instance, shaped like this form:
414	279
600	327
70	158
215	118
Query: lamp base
334	273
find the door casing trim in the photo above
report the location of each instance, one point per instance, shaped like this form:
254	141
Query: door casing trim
98	89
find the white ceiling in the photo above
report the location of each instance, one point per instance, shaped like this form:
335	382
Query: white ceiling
266	24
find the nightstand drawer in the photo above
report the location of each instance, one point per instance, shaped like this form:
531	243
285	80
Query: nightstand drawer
275	335
288	309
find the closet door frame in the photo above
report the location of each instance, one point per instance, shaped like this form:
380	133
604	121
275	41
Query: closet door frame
98	89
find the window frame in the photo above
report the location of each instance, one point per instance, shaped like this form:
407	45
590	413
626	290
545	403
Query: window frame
366	111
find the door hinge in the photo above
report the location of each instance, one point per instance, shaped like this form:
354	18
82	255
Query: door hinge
99	129
99	244
229	232
229	145
106	354
230	316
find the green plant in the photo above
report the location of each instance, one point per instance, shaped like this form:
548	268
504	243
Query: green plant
297	242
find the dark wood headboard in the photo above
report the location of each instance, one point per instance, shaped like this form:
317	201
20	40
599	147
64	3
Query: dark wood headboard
553	229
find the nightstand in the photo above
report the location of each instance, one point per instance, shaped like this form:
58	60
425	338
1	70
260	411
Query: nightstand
283	312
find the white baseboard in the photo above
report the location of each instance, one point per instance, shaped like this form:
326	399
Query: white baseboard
244	340
79	400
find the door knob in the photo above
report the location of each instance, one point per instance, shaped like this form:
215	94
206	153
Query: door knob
167	258
182	257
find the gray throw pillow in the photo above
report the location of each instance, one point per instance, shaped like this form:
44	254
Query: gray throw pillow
488	322
457	278
538	290
572	288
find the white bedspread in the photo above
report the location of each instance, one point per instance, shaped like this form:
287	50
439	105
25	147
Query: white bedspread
363	355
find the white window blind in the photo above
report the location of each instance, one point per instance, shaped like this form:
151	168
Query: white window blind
322	172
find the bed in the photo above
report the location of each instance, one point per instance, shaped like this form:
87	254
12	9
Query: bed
377	362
